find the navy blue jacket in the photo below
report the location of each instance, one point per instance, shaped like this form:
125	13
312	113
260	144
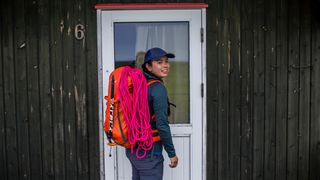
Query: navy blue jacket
158	105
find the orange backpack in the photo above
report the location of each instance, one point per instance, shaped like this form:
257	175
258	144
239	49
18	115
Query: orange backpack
116	125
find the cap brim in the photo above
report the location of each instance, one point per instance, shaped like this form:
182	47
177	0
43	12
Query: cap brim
170	55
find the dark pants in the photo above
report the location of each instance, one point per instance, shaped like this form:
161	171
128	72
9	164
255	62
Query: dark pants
148	168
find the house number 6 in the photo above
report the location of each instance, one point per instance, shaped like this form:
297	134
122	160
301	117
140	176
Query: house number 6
79	31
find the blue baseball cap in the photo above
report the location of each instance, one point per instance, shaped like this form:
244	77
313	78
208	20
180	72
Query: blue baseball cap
155	54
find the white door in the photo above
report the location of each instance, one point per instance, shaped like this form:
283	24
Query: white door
125	36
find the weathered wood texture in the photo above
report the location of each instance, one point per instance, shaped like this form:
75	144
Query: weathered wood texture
48	85
263	80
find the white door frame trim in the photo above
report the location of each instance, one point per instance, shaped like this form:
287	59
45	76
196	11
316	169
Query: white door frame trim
104	150
204	99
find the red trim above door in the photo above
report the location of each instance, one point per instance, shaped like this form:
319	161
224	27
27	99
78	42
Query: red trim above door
117	6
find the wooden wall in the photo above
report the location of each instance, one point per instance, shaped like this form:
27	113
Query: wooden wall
48	91
263	60
263	80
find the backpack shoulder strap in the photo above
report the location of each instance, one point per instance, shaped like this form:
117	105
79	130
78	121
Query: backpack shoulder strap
153	81
155	132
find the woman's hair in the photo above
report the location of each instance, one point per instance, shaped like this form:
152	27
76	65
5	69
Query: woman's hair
144	68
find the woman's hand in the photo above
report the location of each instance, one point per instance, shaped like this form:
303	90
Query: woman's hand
174	162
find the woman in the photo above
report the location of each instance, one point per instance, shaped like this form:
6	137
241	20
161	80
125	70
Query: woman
156	66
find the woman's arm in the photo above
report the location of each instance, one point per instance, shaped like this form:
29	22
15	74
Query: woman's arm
160	106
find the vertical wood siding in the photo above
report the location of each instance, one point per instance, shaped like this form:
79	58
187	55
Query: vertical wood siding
48	85
263	80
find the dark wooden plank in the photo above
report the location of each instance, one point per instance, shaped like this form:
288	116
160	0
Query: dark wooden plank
68	84
223	89
246	88
45	91
282	89
92	90
293	89
80	92
258	89
315	103
9	92
305	96
33	110
213	30
270	89
56	28
21	80
235	88
3	153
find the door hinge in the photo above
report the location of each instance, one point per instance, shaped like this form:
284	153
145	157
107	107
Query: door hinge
201	34
202	90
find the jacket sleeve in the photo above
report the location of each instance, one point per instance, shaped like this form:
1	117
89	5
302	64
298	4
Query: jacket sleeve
160	106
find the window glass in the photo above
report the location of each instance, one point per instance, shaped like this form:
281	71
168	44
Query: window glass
133	39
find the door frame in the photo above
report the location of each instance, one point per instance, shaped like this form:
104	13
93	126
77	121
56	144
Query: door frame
104	150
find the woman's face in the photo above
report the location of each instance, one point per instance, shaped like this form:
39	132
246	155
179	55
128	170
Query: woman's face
159	68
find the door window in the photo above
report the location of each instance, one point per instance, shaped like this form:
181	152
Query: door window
133	39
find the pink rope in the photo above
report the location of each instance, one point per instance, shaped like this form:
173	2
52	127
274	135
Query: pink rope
135	109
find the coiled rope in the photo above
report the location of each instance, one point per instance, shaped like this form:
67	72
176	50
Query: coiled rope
135	109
